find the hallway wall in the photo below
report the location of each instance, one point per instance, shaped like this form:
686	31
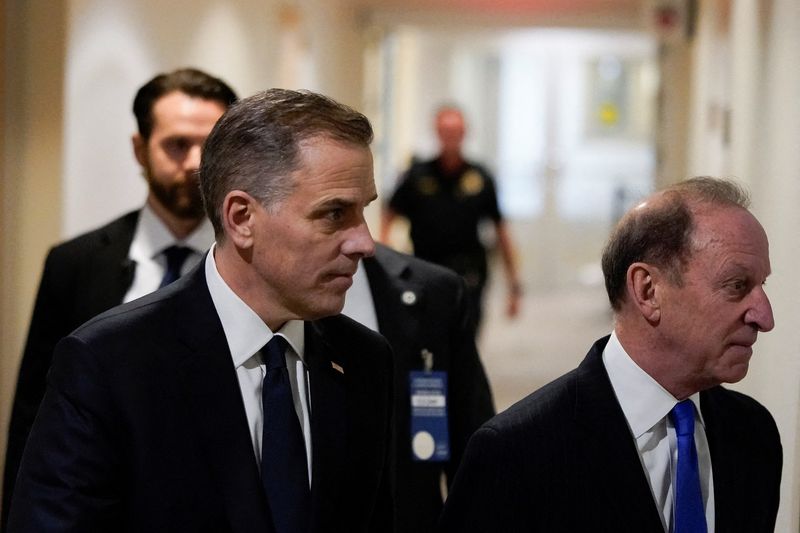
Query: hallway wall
746	125
33	74
777	160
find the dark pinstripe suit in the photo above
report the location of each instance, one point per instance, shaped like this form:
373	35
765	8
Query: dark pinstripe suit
143	426
564	460
82	278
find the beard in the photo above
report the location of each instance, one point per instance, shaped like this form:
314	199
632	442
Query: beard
182	200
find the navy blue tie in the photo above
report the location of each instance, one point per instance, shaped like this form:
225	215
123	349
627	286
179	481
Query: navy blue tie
176	255
690	515
284	469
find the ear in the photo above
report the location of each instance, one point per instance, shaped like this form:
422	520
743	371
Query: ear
642	281
238	215
139	149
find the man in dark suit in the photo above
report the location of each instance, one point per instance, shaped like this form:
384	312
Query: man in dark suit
124	259
227	401
422	311
641	436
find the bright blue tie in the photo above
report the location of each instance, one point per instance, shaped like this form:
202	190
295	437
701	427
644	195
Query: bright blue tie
176	255
284	469
690	515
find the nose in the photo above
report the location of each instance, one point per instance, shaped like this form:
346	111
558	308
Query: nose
759	314
359	242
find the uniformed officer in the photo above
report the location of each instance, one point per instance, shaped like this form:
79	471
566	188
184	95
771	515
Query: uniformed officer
445	199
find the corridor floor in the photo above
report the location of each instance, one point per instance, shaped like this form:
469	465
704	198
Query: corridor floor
550	337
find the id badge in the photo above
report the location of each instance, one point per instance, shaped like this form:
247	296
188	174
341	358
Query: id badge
430	440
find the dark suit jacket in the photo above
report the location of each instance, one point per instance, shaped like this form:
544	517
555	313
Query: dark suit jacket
564	460
437	320
143	426
82	278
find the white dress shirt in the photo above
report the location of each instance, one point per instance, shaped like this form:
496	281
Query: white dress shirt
646	406
246	334
150	239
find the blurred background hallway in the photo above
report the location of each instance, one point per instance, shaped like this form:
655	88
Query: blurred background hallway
578	106
551	337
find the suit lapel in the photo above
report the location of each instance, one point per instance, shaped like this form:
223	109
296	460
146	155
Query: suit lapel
609	450
328	425
211	389
111	272
726	467
397	301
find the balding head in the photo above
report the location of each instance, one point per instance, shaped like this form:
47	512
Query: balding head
659	230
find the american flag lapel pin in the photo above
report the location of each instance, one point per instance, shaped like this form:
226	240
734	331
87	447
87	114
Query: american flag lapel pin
337	367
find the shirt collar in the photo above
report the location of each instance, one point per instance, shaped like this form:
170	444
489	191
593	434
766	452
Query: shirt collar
152	236
244	330
643	400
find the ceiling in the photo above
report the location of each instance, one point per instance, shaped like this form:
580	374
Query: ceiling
595	13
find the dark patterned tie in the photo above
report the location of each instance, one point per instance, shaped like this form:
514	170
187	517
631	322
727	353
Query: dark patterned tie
176	255
690	516
284	469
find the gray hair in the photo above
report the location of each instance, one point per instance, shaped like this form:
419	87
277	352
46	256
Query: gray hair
255	146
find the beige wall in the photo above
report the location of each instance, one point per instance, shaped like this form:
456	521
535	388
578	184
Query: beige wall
776	184
674	99
744	65
32	152
5	273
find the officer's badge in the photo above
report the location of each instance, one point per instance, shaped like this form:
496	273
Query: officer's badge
471	183
427	186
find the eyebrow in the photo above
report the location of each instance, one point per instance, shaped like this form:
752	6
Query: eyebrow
734	268
342	202
334	202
